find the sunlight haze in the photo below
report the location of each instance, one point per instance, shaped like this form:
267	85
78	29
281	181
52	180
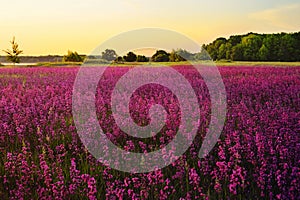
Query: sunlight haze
54	27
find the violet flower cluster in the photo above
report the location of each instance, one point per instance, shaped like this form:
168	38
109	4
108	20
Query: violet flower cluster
256	157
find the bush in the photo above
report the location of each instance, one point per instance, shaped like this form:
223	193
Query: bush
142	58
130	57
119	59
160	56
73	57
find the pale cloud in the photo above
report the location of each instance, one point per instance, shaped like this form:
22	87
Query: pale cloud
286	17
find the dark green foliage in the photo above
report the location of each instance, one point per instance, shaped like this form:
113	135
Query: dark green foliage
222	52
130	57
263	53
13	55
251	45
237	52
160	56
248	47
142	58
213	48
119	59
235	39
256	47
287	49
72	57
109	55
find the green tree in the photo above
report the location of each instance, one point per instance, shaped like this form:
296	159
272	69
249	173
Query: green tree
287	50
119	59
72	57
130	57
272	42
109	55
228	48
213	48
235	40
176	57
251	45
160	56
263	53
237	53
222	52
254	47
142	58
296	36
13	55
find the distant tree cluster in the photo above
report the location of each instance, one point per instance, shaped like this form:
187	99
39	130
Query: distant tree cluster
73	57
256	47
160	56
248	47
111	55
130	57
178	56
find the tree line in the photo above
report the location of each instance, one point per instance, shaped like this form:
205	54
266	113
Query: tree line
159	56
256	47
248	47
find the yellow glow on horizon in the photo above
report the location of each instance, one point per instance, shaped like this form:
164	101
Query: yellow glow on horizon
54	27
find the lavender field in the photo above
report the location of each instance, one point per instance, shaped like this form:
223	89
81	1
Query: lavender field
256	157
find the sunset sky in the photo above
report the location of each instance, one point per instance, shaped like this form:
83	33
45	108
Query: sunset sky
53	27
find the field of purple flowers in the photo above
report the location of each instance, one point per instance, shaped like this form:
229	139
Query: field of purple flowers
256	157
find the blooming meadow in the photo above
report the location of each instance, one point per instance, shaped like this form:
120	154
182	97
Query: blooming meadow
257	155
